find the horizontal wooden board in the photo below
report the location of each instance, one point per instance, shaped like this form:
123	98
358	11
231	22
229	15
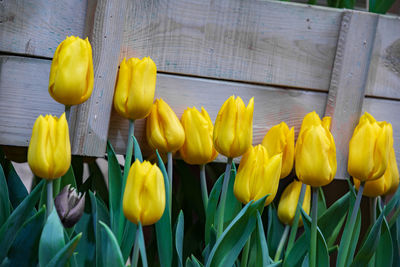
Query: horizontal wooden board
266	42
36	27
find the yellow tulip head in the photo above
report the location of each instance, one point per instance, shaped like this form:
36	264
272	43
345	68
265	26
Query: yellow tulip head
71	72
144	195
233	129
369	148
279	139
258	175
288	202
394	171
315	153
198	147
49	152
164	131
136	83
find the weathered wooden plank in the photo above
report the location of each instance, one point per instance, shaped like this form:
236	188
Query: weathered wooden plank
384	73
349	75
236	40
23	97
272	105
36	27
92	118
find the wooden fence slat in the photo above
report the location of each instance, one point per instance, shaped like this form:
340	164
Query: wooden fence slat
349	76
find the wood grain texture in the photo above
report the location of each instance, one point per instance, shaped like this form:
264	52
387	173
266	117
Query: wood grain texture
89	132
272	105
265	42
23	100
349	76
36	27
384	73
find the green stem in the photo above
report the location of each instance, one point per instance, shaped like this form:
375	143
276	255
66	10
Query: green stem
313	240
372	208
382	201
49	201
203	182
245	253
394	217
293	230
223	197
169	155
282	243
135	254
346	241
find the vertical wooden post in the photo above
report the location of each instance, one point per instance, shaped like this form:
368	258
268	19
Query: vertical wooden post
348	80
90	120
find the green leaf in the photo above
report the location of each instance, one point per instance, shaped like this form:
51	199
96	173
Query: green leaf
86	248
115	189
110	253
382	6
370	244
393	202
394	230
212	208
28	247
296	255
9	230
142	247
61	258
262	256
163	226
128	239
68	178
4	198
98	181
16	189
322	248
233	239
193	262
179	233
321	202
384	252
136	148
52	239
275	229
232	205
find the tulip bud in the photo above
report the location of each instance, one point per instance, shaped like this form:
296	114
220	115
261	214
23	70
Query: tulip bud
315	153
258	175
69	205
385	185
288	202
136	83
369	148
144	196
279	139
198	147
71	72
49	152
164	131
233	129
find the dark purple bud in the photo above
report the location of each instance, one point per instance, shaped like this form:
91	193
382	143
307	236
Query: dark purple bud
69	205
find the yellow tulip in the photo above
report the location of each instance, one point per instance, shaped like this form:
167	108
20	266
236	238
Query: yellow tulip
258	175
385	185
198	147
279	139
233	129
369	148
49	152
71	72
164	131
288	202
144	195
136	83
315	153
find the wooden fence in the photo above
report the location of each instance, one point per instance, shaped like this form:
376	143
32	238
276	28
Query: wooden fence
292	58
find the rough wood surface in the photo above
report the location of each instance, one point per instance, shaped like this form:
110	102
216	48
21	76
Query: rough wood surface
92	118
265	42
384	73
349	76
36	27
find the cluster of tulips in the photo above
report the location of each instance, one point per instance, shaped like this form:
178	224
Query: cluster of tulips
146	188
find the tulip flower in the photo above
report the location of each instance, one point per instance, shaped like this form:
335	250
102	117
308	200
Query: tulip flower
164	131
144	195
288	202
279	139
69	205
198	147
369	148
258	175
49	152
233	129
136	83
392	188
71	72
315	151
